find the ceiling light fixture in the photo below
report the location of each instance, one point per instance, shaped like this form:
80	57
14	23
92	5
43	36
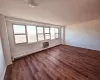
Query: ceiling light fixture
31	3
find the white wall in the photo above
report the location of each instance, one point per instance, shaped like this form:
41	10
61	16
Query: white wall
86	35
25	49
5	41
21	50
2	60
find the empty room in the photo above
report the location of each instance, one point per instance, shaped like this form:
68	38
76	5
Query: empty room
49	39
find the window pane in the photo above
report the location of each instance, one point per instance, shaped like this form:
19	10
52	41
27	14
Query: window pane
47	36
46	30
56	30
31	31
39	29
57	35
52	31
19	29
40	37
20	38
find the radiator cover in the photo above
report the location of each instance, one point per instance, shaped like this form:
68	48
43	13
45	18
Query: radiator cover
45	44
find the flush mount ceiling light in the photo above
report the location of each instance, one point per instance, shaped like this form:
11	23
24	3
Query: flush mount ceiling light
31	3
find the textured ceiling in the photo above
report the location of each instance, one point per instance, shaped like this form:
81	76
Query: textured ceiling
61	12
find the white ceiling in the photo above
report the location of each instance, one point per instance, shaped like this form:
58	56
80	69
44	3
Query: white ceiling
61	12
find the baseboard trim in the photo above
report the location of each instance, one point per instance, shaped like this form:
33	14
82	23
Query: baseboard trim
83	47
30	52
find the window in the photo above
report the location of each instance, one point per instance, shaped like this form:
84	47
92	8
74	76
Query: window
31	34
47	33
47	30
56	33
19	34
40	33
19	29
52	31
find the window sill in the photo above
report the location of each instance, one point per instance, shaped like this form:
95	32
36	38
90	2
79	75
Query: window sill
24	44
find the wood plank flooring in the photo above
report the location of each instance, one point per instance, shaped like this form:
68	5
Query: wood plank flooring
57	63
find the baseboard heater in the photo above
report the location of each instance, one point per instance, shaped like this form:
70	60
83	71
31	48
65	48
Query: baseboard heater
45	44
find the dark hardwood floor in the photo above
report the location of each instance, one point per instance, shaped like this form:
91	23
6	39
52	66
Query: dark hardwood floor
57	63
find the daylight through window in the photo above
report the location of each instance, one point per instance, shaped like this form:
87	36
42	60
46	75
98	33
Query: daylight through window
31	34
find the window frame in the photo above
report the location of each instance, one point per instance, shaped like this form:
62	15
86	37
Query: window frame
19	34
26	34
39	33
57	33
47	33
54	33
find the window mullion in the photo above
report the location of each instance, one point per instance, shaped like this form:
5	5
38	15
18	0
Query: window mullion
36	34
44	33
26	33
50	32
19	34
54	33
